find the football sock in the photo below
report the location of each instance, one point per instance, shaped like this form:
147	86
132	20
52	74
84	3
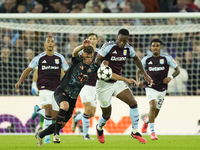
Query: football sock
86	124
101	123
41	112
78	117
59	120
47	122
151	125
134	115
47	131
147	120
41	121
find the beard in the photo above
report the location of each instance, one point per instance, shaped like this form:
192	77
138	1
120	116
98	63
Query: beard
156	54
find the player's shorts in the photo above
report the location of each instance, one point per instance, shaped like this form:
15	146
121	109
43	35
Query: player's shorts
88	94
61	96
158	96
106	90
47	97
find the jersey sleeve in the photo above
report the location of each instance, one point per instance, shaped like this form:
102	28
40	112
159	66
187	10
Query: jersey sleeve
132	52
76	59
105	49
34	62
143	61
171	62
64	64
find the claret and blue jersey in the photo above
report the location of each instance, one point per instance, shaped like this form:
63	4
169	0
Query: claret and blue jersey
157	68
116	56
49	70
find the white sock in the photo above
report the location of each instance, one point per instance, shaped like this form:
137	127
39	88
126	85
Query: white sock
47	122
41	112
151	125
147	120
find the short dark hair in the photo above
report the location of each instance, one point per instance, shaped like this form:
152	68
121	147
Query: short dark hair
49	37
88	49
123	32
156	40
91	34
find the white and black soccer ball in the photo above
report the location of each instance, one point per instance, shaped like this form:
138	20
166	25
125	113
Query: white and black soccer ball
104	73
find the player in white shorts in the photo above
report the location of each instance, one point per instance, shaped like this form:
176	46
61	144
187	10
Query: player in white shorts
88	96
49	65
157	66
117	52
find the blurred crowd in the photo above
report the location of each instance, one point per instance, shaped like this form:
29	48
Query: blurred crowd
18	47
98	6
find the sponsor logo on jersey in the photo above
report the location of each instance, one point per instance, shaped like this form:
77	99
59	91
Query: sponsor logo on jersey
44	61
57	61
150	63
161	61
113	58
50	67
125	52
156	68
42	87
115	52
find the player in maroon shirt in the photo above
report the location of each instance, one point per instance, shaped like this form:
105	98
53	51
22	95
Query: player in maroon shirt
157	66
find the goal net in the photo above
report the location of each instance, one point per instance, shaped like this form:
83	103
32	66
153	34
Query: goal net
23	35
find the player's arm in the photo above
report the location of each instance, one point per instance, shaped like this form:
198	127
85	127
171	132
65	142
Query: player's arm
98	59
140	66
176	73
138	77
76	51
117	77
23	76
34	89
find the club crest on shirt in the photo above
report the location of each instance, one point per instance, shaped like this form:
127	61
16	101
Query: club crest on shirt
161	61
125	52
57	61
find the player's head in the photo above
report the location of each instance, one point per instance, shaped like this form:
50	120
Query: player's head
49	43
122	38
93	39
88	54
156	46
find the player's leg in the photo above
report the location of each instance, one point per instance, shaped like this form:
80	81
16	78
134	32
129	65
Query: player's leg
89	102
67	106
46	97
124	94
151	117
89	111
104	92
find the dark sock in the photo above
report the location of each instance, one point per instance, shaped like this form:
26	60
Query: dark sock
60	119
48	130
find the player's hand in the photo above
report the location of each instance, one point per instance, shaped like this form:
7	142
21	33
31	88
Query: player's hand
105	62
34	89
140	84
17	85
86	43
148	79
167	80
131	81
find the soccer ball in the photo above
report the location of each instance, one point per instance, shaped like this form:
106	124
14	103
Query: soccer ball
104	73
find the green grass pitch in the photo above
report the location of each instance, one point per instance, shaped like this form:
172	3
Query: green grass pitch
112	142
